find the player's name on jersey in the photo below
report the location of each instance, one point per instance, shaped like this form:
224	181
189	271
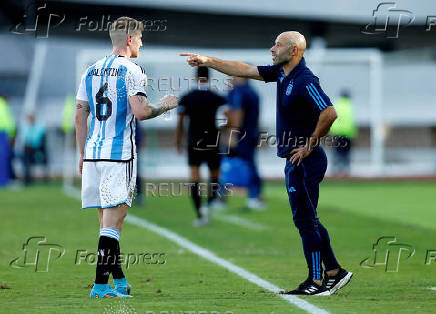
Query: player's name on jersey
106	72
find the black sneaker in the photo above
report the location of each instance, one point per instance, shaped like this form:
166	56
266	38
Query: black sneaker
308	287
337	282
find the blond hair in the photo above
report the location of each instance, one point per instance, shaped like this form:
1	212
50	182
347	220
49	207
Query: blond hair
122	27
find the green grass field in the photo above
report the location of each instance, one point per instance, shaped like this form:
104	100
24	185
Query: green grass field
356	215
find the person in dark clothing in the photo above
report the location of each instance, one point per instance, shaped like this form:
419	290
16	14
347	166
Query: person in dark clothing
201	105
140	196
304	114
35	150
243	116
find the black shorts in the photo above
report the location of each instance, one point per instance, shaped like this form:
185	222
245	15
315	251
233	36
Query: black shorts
197	156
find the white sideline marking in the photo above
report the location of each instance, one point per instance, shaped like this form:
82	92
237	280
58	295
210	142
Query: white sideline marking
206	254
72	192
239	222
210	256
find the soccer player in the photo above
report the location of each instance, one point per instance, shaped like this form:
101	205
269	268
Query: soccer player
201	105
304	115
243	115
113	91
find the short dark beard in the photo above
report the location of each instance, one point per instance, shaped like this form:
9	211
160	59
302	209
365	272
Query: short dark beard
284	62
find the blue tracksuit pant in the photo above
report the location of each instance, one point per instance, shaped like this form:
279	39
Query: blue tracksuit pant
302	185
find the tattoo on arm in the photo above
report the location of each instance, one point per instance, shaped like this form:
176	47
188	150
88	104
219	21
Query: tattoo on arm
141	99
157	111
86	107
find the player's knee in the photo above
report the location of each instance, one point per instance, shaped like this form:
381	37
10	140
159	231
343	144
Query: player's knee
122	213
121	218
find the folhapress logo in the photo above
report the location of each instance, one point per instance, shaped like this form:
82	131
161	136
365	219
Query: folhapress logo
38	253
44	21
388	20
387	252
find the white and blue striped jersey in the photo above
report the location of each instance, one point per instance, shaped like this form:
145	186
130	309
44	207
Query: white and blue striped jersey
107	85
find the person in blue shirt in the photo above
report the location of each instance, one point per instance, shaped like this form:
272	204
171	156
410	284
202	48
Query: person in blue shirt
243	117
304	115
35	150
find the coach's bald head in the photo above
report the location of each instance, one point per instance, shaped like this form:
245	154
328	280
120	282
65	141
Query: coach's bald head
289	46
295	39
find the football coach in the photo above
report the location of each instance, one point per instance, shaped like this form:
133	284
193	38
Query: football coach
304	114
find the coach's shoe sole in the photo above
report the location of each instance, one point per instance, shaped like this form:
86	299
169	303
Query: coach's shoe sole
323	294
342	283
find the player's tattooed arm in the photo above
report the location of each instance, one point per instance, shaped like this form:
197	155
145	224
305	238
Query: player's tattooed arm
82	113
157	111
85	106
143	111
151	111
141	99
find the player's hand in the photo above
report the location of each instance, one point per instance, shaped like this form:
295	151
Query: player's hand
194	59
169	101
299	154
81	164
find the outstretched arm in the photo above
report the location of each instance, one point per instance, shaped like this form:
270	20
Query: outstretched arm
232	68
143	111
